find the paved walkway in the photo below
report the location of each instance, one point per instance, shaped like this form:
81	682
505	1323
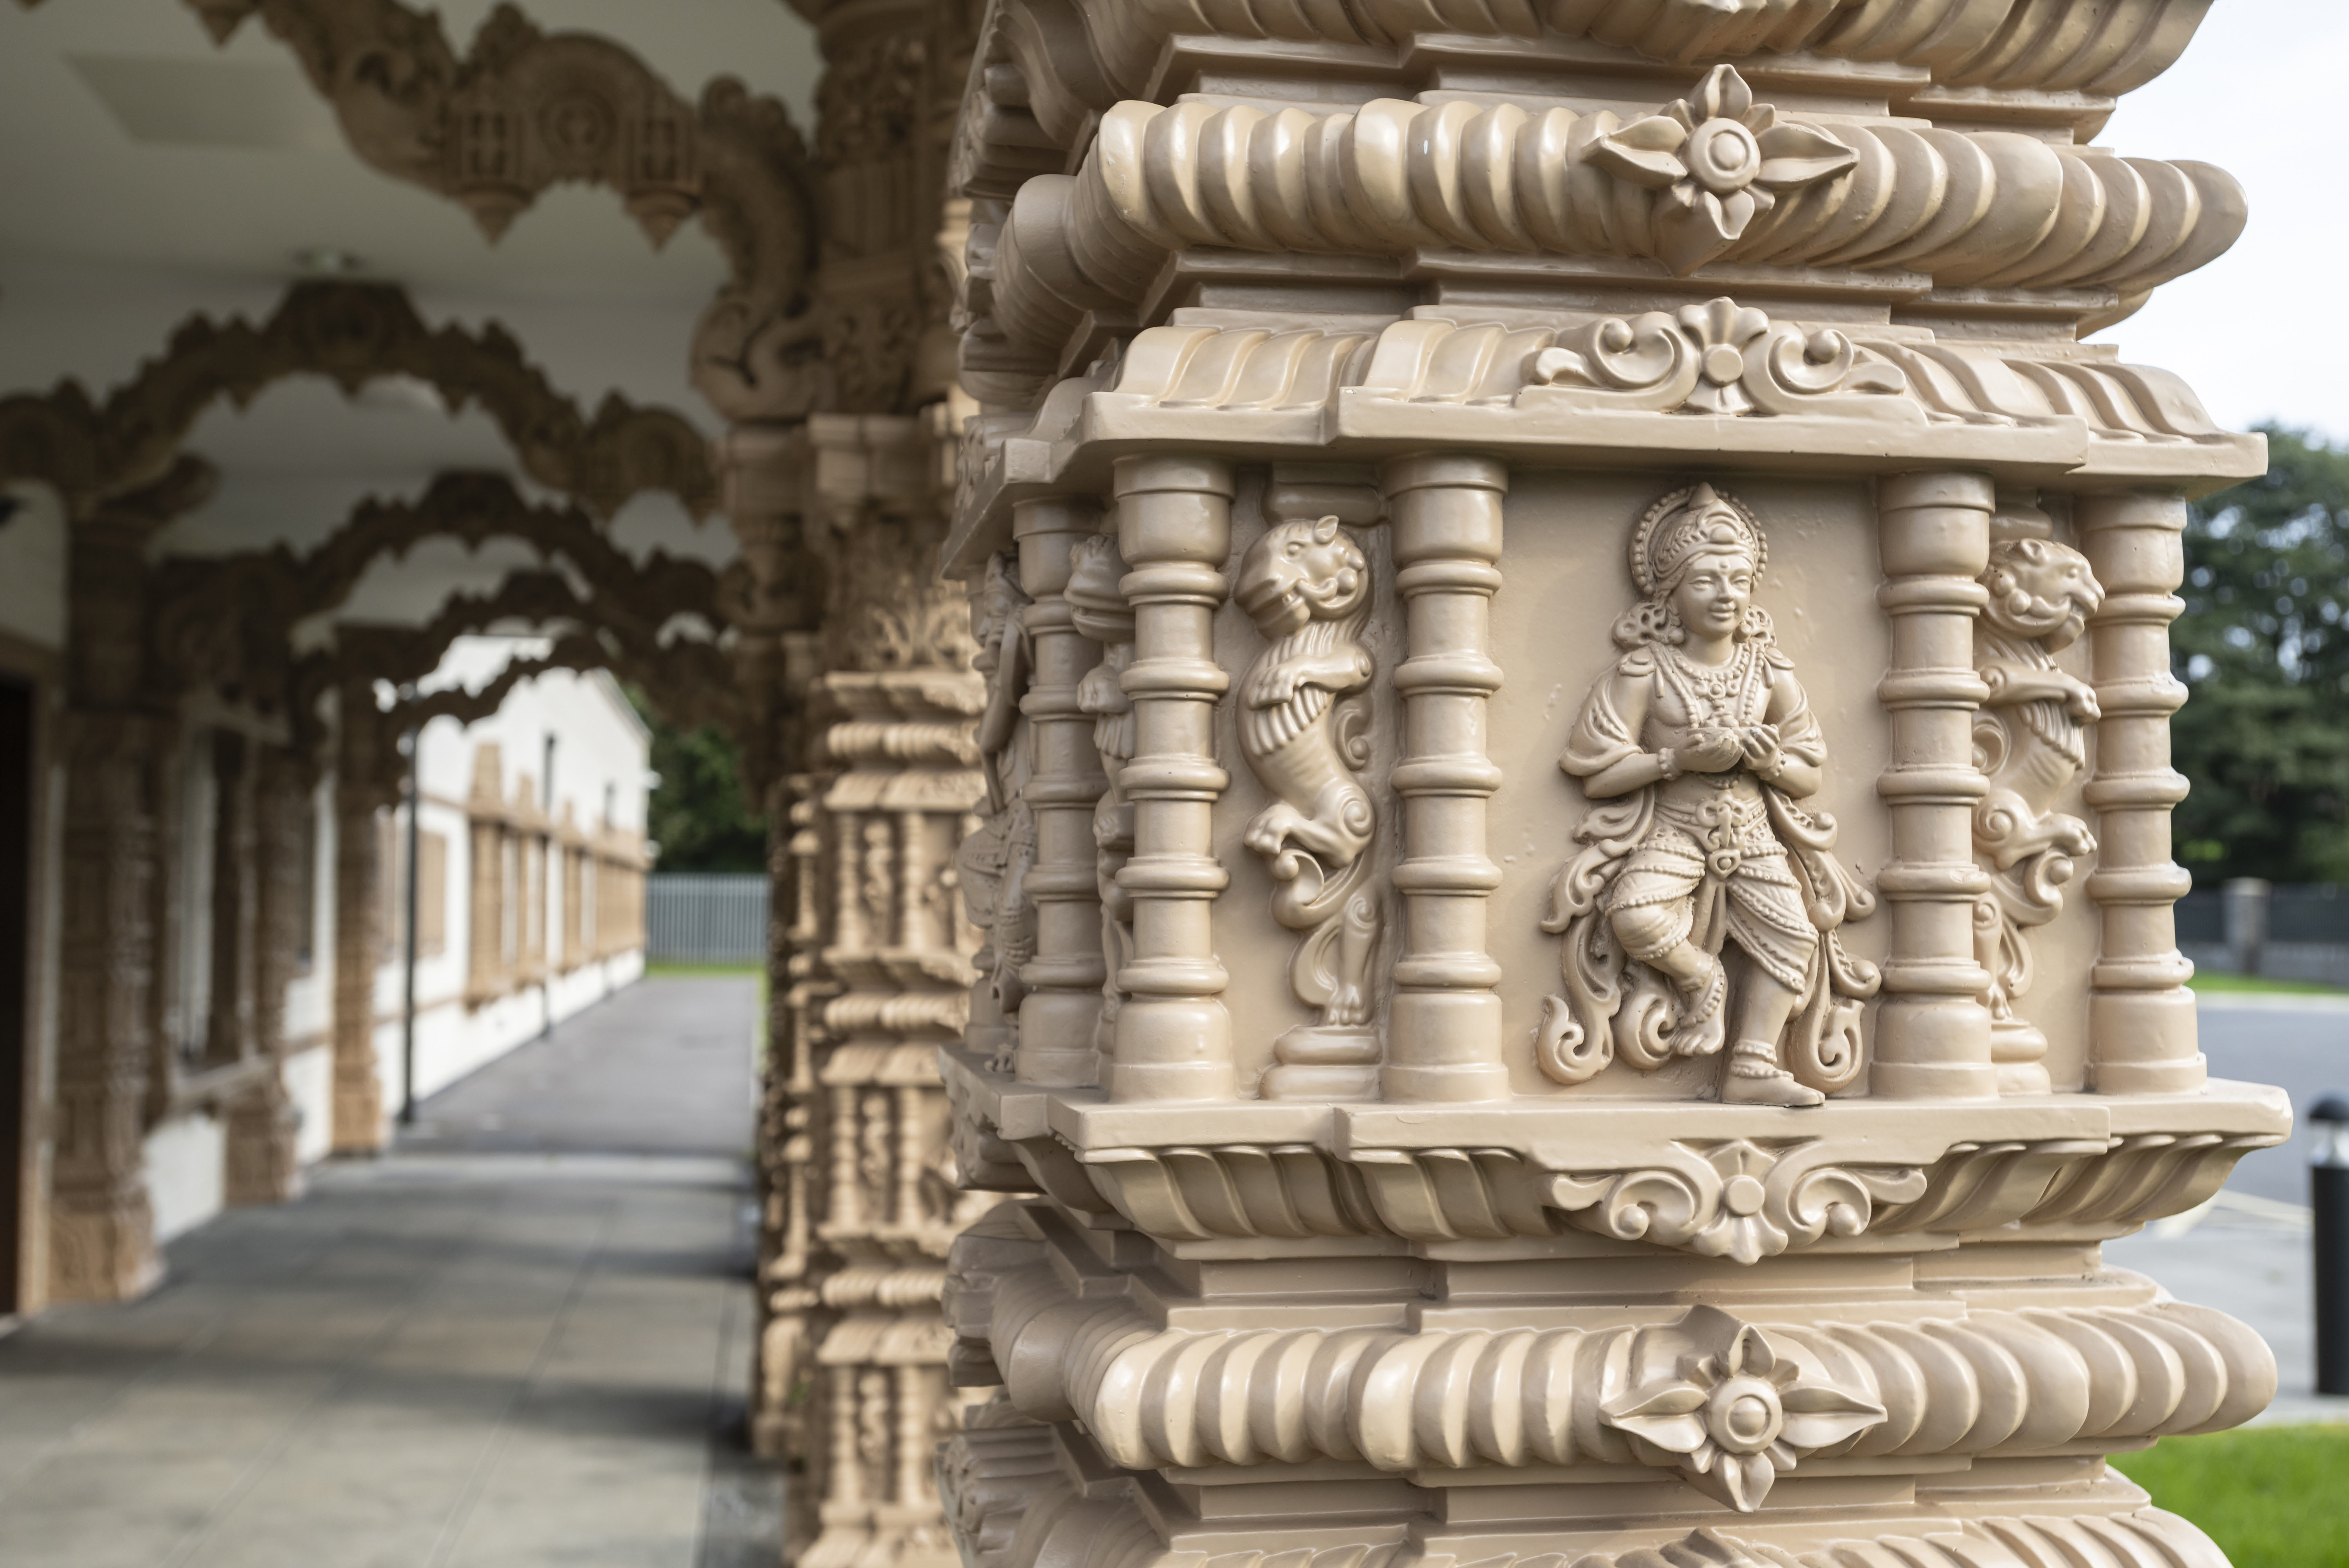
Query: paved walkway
523	1340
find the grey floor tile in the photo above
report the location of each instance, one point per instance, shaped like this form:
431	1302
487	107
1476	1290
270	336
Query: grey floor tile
521	1340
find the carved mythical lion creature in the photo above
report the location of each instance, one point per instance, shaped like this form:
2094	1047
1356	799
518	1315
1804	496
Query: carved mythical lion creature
2031	739
1308	588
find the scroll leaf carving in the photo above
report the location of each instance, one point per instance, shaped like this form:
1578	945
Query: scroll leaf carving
1741	1200
1307	585
1719	358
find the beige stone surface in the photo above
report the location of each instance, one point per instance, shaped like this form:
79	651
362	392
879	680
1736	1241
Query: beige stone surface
1645	618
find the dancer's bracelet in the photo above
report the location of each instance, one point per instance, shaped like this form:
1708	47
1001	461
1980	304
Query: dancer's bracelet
1671	765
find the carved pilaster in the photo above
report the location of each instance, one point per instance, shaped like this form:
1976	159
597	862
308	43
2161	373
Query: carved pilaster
1174	530
263	1124
102	1235
365	763
1932	1032
2141	1017
1063	979
1444	1040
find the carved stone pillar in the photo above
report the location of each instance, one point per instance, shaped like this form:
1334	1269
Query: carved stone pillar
101	1229
363	764
1932	1032
1064	981
2141	1017
1581	1093
1445	1038
264	1165
1174	528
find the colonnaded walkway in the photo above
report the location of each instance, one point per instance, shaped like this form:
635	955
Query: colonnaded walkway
523	1340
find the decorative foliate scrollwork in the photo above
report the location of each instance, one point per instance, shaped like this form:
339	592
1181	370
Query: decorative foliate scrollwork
1741	1199
1695	750
2031	739
1720	358
1302	724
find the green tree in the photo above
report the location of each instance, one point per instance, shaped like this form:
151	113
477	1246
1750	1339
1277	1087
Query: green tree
2264	649
698	815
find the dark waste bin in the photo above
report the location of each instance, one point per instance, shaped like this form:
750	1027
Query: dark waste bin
2328	1196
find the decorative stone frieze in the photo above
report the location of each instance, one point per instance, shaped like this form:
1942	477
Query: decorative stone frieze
1600	612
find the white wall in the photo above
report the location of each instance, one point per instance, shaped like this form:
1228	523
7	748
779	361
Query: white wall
602	759
602	755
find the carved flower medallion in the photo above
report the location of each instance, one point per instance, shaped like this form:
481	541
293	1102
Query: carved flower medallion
1721	161
1731	1412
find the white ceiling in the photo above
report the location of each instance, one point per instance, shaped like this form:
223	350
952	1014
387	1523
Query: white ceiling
145	175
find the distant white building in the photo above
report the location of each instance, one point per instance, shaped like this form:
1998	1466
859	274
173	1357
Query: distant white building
529	907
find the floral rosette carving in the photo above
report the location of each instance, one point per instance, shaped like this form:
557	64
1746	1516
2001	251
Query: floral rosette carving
1718	1401
1721	161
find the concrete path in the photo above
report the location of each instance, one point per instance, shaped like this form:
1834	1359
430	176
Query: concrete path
523	1340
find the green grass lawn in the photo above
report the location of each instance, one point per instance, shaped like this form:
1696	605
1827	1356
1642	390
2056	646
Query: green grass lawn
2235	982
2271	1497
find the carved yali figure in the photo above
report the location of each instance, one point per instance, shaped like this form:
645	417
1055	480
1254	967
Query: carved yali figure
1307	585
1695	750
2031	739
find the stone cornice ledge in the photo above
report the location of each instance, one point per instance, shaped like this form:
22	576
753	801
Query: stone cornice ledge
1739	1182
1716	382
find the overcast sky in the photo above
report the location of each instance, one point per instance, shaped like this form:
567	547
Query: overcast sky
2263	332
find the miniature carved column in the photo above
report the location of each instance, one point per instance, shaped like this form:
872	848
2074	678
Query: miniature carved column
1443	1041
1174	530
263	1126
2141	1034
1063	979
1932	1032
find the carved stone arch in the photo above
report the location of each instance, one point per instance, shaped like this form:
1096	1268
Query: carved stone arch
523	110
230	618
616	626
350	333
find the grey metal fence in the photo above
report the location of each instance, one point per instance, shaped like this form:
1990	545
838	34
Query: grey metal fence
691	917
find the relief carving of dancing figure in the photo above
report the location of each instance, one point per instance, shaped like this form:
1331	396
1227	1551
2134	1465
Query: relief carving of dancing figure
1302	727
1695	750
2031	739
